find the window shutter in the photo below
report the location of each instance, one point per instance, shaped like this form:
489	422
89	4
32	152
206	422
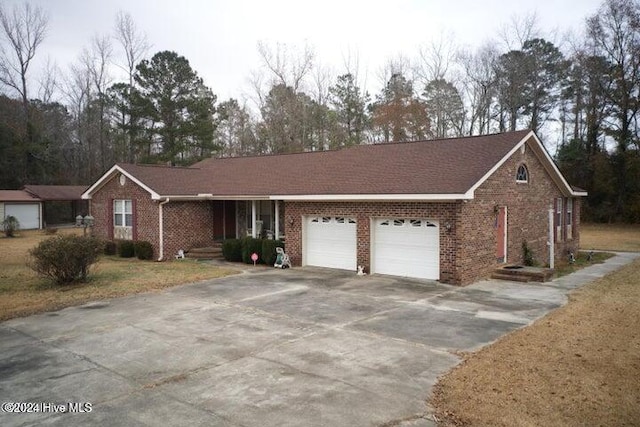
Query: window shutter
555	219
110	219
134	219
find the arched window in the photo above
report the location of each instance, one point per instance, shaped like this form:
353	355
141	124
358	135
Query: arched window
523	174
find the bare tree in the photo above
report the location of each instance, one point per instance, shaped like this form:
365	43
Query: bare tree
399	65
77	92
519	29
48	82
435	59
289	66
96	60
479	87
133	42
23	30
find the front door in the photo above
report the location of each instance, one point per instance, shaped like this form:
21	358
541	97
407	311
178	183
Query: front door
224	219
501	235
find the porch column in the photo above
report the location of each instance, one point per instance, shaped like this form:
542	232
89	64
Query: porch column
277	217
253	219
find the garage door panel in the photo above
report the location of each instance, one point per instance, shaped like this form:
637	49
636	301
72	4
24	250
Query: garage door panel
28	214
331	242
407	247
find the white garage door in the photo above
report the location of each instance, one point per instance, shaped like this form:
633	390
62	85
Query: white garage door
407	247
27	213
331	242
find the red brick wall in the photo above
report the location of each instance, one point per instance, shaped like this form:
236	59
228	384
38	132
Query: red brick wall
145	215
363	212
527	218
187	225
468	251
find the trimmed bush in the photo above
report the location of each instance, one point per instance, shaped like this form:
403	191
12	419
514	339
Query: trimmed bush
269	250
143	250
126	249
65	258
249	246
232	250
110	247
10	225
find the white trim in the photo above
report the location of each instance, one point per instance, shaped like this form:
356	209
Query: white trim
208	196
110	174
567	188
161	229
277	220
254	231
368	197
506	235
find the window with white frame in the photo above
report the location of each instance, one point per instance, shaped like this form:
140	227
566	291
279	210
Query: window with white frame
522	175
569	220
559	219
122	213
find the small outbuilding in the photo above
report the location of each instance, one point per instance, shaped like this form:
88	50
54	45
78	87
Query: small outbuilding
22	205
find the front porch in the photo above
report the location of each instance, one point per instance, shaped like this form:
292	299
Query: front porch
248	218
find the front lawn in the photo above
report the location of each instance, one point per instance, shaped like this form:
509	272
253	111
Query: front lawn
22	292
610	237
577	366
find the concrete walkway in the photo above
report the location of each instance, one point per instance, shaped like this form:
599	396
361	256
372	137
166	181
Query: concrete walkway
272	348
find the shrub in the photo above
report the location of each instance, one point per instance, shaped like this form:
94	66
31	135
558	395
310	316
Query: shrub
10	225
143	250
269	250
527	255
232	250
65	258
110	247
50	231
249	246
126	249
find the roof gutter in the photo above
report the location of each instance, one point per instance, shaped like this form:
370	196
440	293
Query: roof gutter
161	228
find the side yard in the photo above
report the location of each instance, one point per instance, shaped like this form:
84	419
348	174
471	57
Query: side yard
577	366
22	292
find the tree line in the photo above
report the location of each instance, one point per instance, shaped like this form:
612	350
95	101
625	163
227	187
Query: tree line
583	94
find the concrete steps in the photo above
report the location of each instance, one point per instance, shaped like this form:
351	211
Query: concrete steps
207	253
523	274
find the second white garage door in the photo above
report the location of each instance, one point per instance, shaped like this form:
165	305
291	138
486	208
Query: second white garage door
406	247
331	242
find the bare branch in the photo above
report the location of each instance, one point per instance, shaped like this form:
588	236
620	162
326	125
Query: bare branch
48	82
133	42
24	30
289	68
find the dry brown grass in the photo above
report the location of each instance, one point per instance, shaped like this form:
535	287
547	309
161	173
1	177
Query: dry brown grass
577	366
610	237
22	292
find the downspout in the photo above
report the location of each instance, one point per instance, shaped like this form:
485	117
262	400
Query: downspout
161	229
552	255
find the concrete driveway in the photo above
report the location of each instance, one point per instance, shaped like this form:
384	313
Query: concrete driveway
299	347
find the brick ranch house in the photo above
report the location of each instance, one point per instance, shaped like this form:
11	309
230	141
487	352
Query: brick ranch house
450	210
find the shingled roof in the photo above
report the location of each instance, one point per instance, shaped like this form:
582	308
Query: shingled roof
16	196
446	168
56	192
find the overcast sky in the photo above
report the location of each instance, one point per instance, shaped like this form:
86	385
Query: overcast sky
219	38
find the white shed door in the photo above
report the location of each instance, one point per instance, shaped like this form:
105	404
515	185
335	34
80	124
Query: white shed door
407	247
331	242
27	213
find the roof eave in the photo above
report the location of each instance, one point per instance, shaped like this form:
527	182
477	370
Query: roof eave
109	175
548	164
372	197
